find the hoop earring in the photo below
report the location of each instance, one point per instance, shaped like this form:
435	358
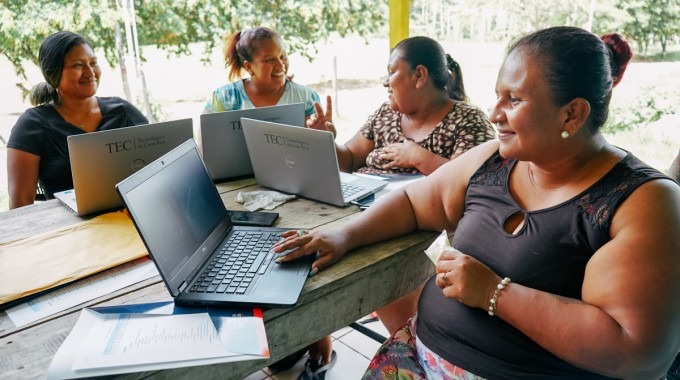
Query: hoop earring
565	134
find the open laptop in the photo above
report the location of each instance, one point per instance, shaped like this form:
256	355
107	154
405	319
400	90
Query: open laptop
99	160
302	161
222	143
188	233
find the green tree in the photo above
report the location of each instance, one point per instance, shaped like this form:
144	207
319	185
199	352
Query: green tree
496	20
651	21
173	24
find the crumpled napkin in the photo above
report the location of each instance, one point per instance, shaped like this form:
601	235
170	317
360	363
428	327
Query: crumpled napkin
437	247
267	200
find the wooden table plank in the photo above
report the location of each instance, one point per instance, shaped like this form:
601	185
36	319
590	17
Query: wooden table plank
35	219
224	187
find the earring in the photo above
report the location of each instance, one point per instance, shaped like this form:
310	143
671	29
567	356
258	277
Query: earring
565	134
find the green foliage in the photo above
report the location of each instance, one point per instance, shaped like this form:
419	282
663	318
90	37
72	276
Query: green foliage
643	112
669	56
499	20
644	21
173	24
25	23
651	105
651	21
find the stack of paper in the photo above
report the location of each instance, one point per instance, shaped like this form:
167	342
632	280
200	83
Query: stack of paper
144	337
76	293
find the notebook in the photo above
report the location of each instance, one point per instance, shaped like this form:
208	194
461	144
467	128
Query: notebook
222	143
99	160
188	233
302	161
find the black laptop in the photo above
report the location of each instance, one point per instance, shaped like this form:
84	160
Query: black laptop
201	256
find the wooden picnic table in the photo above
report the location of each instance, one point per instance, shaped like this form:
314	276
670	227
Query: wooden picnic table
363	281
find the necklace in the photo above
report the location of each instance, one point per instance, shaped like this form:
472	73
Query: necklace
539	186
533	180
81	125
531	176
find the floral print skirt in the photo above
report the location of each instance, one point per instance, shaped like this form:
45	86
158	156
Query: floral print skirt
404	357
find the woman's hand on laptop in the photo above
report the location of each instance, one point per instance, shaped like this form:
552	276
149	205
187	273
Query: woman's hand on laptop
328	244
322	120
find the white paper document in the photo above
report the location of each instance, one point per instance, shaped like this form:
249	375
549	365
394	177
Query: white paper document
144	337
84	290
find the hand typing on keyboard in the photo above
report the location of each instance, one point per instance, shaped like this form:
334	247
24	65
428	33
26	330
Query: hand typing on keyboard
322	242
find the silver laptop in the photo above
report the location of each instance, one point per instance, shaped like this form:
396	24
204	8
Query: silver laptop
202	258
302	161
222	143
99	160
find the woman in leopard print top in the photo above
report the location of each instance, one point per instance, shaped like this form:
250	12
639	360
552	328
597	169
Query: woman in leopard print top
462	128
426	121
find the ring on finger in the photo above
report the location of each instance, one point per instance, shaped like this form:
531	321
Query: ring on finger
302	232
446	281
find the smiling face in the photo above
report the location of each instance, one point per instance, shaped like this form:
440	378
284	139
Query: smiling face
529	123
400	83
269	65
80	76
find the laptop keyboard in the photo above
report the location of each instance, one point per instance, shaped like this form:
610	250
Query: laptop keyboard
238	263
349	190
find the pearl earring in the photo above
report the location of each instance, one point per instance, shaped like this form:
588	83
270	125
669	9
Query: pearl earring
565	134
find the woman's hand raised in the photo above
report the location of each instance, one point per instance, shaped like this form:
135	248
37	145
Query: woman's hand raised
322	120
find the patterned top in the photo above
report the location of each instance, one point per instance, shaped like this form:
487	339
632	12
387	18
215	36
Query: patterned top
464	127
233	96
549	253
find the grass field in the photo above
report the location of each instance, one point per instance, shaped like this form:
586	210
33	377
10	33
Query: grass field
179	86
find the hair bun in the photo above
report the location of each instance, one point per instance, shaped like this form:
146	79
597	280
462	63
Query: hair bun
621	55
451	63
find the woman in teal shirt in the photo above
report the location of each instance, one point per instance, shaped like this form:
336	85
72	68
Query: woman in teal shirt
261	53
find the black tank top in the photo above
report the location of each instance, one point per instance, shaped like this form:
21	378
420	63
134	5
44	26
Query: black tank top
549	253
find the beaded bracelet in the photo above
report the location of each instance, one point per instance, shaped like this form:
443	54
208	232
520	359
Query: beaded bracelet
494	300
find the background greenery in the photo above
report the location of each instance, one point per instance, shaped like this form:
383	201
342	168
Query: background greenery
653	26
173	34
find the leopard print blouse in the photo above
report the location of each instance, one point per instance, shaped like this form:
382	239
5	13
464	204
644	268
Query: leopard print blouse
464	127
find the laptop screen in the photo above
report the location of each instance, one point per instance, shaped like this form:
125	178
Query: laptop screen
177	208
224	147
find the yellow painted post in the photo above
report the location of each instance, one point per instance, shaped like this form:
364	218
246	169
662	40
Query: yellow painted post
399	15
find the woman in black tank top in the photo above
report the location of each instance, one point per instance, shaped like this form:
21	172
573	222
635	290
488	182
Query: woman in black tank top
566	255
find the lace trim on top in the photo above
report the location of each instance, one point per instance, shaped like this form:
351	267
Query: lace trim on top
598	202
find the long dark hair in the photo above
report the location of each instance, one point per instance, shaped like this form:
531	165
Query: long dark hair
444	70
51	58
241	47
579	64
